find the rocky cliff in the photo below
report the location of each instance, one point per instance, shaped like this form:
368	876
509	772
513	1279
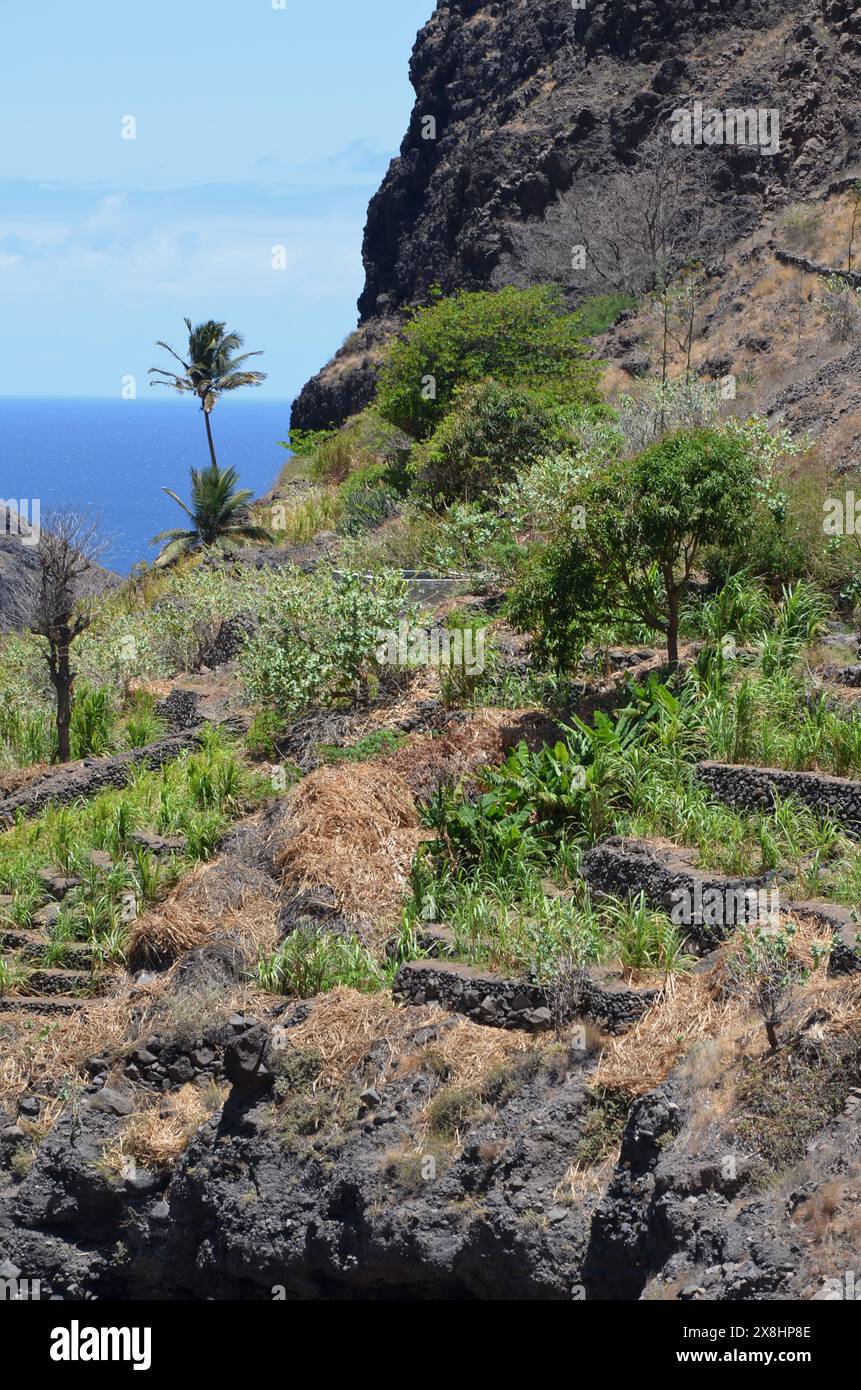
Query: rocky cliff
528	112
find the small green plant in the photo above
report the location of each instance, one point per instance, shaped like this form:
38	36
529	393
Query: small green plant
21	1162
452	1111
603	1120
768	972
310	963
14	974
369	746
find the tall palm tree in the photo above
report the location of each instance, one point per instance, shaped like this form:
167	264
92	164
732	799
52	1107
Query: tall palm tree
212	368
218	512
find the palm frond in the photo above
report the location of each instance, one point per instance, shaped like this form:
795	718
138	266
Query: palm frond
179	502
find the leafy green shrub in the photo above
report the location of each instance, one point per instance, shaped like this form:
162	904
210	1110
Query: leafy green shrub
561	596
490	432
600	311
645	520
467	537
318	641
521	337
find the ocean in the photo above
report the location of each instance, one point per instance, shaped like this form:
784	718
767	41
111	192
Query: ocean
115	456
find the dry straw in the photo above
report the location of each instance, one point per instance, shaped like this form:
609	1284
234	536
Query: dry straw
354	830
344	1025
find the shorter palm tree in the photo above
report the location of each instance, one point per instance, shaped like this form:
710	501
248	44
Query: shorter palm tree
218	513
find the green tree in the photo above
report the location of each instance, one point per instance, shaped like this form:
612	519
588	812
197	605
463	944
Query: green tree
646	522
694	488
490	432
218	513
523	337
561	596
213	367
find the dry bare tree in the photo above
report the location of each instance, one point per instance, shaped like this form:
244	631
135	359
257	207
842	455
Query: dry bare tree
629	231
647	221
56	604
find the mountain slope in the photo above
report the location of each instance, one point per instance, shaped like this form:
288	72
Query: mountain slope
540	108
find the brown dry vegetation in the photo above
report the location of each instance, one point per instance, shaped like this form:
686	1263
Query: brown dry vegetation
353	829
225	896
344	1024
484	740
707	1008
159	1130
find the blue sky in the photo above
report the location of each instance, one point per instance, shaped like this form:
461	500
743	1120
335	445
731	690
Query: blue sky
255	127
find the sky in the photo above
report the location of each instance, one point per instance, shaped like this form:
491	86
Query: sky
257	124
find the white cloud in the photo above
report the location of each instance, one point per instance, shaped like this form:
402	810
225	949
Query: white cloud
120	248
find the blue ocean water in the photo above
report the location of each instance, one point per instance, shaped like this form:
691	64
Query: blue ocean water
115	456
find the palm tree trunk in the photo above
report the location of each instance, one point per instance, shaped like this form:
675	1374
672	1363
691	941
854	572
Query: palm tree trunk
209	436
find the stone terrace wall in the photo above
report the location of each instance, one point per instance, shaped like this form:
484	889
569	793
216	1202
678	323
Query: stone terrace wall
754	789
499	1003
621	867
93	775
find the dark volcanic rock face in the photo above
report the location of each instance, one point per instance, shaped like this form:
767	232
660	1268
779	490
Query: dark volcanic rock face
537	105
274	1199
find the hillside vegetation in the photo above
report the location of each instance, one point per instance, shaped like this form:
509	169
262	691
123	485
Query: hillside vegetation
477	832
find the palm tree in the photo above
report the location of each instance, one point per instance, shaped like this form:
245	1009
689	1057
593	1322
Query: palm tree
211	370
218	513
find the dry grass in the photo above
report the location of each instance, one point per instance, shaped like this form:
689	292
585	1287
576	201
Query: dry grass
353	829
582	1180
695	1008
686	1013
485	740
13	779
227	894
159	1131
296	521
343	1025
160	689
186	1013
36	1051
817	1215
164	932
